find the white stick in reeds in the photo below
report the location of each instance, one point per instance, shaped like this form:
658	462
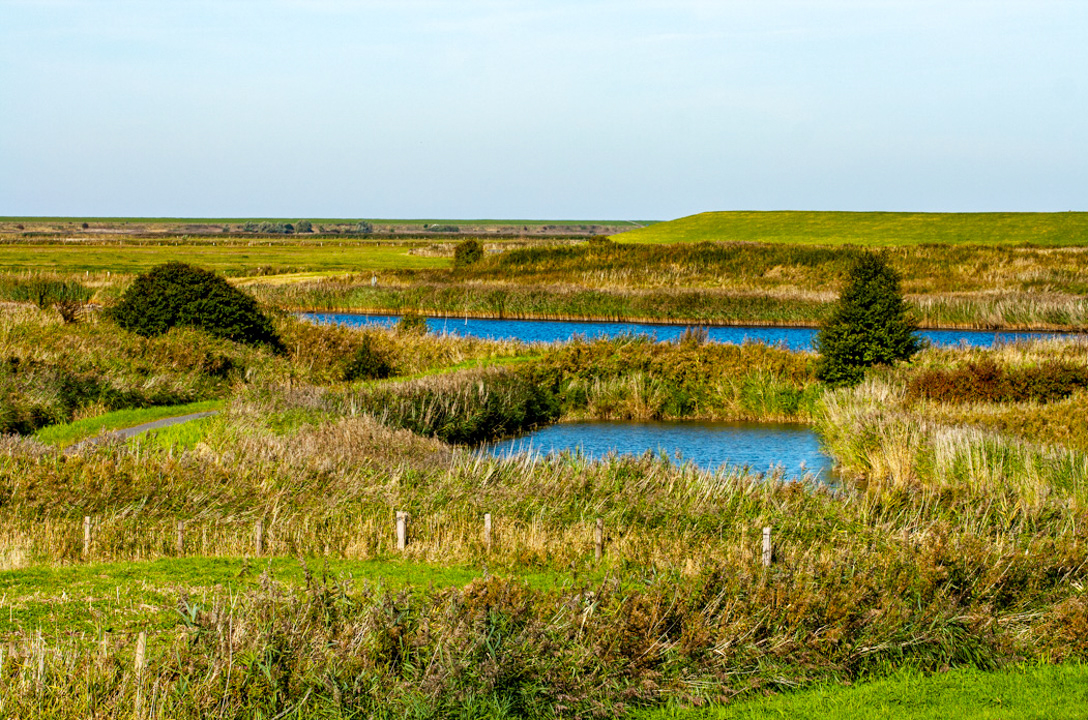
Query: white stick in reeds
598	539
402	529
258	538
768	548
180	539
487	531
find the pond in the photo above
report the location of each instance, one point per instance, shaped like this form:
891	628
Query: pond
761	447
528	331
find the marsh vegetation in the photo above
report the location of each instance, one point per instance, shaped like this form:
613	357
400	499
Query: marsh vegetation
955	538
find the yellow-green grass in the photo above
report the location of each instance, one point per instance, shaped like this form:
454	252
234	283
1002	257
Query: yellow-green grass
230	258
1043	692
870	228
73	432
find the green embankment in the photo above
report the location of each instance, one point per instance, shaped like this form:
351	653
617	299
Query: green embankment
1043	692
870	228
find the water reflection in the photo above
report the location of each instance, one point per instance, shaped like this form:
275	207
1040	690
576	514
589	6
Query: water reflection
793	338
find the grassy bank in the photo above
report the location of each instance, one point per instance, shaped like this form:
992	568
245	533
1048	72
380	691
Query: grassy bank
871	228
1039	692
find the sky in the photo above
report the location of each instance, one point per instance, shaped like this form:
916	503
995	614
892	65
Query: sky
588	109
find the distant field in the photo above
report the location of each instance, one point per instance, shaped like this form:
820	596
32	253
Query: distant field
872	229
229	258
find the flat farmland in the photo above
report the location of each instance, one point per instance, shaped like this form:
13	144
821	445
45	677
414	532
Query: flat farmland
229	258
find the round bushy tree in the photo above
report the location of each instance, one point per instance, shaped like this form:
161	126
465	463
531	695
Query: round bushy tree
468	252
180	294
870	325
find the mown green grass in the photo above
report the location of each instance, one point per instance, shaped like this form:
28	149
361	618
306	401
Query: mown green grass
1045	692
124	596
73	432
870	228
224	257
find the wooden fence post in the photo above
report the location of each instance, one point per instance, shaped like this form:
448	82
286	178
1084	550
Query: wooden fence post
180	540
86	536
487	531
258	538
598	539
402	529
768	548
138	667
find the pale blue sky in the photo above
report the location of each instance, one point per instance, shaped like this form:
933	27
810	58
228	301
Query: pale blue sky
503	109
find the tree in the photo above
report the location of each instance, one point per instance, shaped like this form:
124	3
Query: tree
870	325
467	252
180	294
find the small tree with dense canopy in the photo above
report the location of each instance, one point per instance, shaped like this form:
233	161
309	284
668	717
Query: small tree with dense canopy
180	294
468	252
870	325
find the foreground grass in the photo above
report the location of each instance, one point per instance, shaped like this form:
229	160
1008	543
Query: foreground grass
871	228
73	432
1028	692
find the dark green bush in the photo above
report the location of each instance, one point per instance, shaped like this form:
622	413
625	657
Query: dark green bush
412	323
367	363
179	294
468	252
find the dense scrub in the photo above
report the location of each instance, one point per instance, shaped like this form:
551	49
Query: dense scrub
984	381
176	294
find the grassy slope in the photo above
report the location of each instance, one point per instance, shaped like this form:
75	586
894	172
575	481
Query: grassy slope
873	229
1033	691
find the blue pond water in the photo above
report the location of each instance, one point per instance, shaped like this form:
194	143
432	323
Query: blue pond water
761	447
562	330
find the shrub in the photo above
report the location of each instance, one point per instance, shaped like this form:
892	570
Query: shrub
367	363
179	294
467	252
985	381
870	325
303	226
412	323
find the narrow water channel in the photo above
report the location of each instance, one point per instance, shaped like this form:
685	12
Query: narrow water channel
761	447
528	331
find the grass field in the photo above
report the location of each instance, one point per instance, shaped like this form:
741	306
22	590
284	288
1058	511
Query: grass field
1030	692
871	229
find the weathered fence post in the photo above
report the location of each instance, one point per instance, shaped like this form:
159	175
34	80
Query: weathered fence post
598	539
180	539
402	529
138	668
258	538
768	548
86	536
487	531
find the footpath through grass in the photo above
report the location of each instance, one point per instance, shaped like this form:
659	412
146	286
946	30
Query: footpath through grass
73	432
870	228
1043	692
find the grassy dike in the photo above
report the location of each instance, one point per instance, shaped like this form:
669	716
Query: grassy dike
945	547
